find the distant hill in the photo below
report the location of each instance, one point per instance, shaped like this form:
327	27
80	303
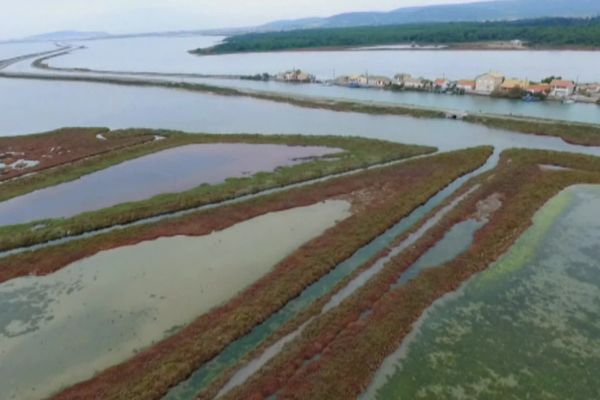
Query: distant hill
482	11
67	35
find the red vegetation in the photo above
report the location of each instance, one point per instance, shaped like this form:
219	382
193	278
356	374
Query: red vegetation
395	190
60	147
350	347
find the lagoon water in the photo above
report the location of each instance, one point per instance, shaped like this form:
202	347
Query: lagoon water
527	326
168	171
11	50
56	104
116	55
169	55
62	328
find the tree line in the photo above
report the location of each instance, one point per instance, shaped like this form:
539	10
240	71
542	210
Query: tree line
557	32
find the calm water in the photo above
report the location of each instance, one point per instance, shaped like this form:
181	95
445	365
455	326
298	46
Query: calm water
525	328
87	104
59	329
172	57
117	55
168	171
580	112
11	50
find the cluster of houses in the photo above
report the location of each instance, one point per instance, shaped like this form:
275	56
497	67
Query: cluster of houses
295	76
488	84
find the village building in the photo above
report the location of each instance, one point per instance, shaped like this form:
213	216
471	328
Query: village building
488	83
441	84
562	88
297	76
538	88
415	83
379	81
466	85
514	84
589	89
401	78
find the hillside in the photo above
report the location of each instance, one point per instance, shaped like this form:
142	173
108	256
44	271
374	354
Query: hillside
481	11
547	32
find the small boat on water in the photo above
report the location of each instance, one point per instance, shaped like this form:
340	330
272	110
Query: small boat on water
568	101
531	99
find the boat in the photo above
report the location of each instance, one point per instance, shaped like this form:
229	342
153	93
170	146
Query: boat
568	101
531	99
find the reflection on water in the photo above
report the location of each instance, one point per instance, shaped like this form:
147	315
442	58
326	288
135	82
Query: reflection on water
168	171
527	326
59	329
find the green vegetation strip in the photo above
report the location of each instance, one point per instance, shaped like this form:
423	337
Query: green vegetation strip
539	32
393	193
359	153
374	321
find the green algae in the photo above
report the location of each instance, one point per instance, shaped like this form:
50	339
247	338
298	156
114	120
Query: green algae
526	328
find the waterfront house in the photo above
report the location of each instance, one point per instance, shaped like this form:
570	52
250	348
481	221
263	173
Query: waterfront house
538	88
488	83
510	85
466	85
297	76
401	78
379	81
415	83
562	88
589	89
441	84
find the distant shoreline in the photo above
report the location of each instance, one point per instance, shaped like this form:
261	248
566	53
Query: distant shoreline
390	47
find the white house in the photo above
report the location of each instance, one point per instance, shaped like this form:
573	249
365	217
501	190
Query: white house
562	88
488	83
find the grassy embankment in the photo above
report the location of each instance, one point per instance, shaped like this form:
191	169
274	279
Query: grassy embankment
380	197
373	322
544	32
359	153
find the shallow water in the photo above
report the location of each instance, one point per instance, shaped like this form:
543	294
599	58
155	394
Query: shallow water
168	171
525	328
60	329
12	50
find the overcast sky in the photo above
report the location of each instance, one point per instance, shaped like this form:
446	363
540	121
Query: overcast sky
26	17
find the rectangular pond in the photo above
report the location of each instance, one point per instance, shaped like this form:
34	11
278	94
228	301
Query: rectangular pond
168	171
60	329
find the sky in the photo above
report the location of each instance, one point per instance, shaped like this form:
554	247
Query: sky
19	18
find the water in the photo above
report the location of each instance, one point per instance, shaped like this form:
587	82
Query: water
167	171
534	65
115	55
12	50
579	112
204	375
59	329
89	104
456	241
527	327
